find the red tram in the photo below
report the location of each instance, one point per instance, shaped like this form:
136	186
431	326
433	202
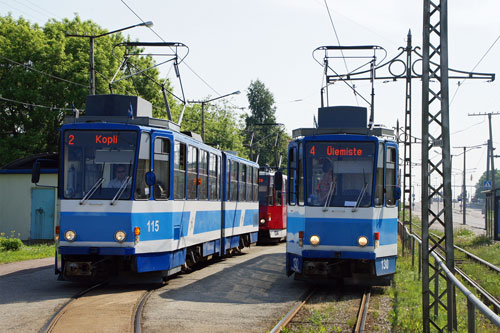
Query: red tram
272	205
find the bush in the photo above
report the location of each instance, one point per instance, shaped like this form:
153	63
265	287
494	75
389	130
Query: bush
10	244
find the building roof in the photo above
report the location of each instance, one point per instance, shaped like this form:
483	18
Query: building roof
49	163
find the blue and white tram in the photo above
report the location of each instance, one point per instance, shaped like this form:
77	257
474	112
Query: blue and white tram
342	202
137	195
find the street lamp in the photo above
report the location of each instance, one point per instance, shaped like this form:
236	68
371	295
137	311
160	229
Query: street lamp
91	40
237	92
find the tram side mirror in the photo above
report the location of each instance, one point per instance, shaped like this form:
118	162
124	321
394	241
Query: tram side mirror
35	172
397	193
278	181
150	178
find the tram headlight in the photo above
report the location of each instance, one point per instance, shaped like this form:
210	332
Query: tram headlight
314	240
262	221
362	241
70	235
120	236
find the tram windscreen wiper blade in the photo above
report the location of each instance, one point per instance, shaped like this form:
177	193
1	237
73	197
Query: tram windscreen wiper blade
92	190
361	195
121	190
331	191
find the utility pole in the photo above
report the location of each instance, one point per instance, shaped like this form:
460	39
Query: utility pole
436	134
91	56
490	159
237	92
464	185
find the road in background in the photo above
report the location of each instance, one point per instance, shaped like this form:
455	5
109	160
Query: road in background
474	218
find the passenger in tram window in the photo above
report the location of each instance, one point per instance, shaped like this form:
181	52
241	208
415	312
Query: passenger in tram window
326	186
120	175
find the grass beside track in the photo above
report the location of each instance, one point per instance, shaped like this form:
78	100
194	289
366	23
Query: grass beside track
407	287
28	252
406	292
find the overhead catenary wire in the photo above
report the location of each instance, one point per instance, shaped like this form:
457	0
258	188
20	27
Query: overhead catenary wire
480	60
40	72
341	51
35	105
161	38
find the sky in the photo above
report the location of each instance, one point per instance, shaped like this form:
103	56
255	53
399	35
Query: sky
234	42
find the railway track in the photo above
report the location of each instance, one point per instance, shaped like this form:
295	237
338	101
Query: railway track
97	308
361	315
363	311
60	312
485	296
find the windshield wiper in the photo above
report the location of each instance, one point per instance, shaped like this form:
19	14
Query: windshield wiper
361	195
120	191
92	190
330	194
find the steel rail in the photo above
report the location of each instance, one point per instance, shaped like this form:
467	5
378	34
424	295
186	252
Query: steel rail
485	295
470	255
138	310
293	311
49	326
363	311
490	299
473	302
481	261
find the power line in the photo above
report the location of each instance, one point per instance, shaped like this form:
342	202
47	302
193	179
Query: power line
35	105
480	60
50	14
192	70
40	72
338	41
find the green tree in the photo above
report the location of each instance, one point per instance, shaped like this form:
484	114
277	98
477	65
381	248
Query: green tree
268	139
48	73
480	184
43	74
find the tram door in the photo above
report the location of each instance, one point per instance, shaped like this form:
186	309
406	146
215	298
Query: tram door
42	213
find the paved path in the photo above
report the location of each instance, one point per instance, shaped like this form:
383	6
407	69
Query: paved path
26	265
474	218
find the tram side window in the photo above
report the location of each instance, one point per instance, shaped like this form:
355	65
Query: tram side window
192	168
180	170
270	191
390	176
278	199
241	182
255	184
143	166
227	179
249	183
233	188
300	176
219	178
212	175
379	181
161	168
291	176
203	176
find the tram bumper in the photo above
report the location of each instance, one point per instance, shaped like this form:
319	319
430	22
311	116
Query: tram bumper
75	269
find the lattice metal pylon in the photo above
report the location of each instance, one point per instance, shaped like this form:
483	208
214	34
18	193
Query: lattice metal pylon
436	135
407	192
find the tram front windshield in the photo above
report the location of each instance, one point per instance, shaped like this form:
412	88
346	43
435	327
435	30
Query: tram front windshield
98	161
339	174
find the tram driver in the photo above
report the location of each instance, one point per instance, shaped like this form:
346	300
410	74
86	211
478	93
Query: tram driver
120	175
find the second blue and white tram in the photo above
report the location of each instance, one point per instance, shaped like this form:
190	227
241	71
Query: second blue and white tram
342	203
